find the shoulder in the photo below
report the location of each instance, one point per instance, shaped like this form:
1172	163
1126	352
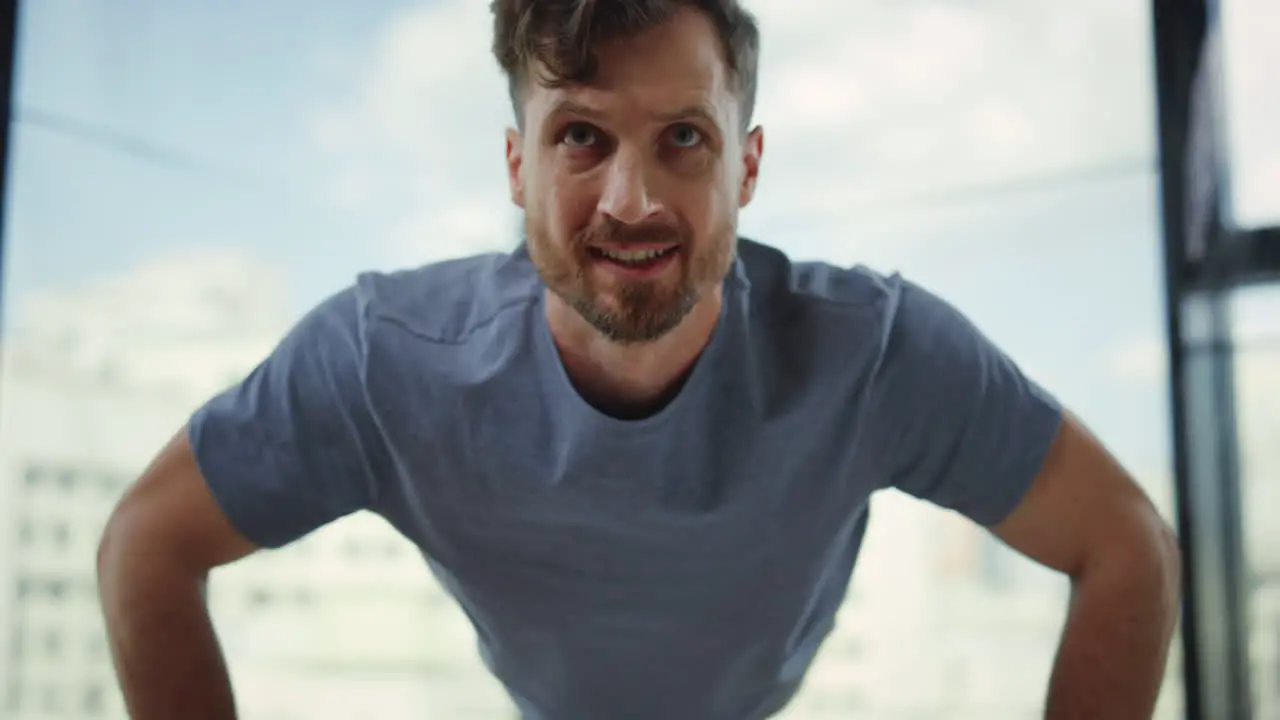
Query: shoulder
446	302
896	324
822	293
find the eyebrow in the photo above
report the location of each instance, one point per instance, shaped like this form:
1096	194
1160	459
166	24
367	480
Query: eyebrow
696	111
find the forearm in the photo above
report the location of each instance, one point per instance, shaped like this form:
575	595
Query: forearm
163	643
1115	647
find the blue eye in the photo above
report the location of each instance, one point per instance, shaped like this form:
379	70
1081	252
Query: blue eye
686	136
579	135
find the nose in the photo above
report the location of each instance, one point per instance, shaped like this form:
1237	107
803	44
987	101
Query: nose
627	195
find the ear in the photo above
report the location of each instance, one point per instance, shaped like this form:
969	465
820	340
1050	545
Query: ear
515	161
752	150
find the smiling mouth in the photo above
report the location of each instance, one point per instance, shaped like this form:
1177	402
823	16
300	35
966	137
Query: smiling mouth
638	258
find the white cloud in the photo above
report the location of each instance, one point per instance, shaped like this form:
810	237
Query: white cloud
941	94
861	100
422	138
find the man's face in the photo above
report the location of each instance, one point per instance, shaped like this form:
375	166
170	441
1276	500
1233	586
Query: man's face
631	184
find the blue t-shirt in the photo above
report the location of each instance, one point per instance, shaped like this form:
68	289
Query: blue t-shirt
685	565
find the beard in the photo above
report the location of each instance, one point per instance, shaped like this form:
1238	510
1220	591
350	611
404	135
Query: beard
630	311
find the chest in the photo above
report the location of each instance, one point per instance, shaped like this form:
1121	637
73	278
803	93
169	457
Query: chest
640	533
538	510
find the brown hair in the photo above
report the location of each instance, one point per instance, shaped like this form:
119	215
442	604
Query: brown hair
559	36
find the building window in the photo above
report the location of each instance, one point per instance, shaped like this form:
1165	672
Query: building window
15	643
57	589
94	700
52	643
26	533
61	535
98	647
114	485
52	699
14	699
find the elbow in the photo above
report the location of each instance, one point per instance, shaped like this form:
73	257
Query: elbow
120	541
1143	566
1165	563
110	547
103	560
1158	549
1169	550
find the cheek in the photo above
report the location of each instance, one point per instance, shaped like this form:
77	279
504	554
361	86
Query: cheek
713	209
569	205
716	191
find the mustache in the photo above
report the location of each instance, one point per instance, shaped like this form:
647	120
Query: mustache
613	232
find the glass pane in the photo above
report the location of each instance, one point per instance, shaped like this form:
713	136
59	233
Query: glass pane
1250	66
1256	315
189	178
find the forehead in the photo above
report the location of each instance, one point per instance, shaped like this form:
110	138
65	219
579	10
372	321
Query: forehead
677	64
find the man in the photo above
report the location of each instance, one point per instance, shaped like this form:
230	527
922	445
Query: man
638	450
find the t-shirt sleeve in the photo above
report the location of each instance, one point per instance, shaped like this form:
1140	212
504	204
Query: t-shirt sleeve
953	419
294	446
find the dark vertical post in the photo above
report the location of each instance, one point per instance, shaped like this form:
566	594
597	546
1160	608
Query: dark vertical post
8	65
1198	275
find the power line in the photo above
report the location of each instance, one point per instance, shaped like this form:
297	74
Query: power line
1028	183
156	153
109	138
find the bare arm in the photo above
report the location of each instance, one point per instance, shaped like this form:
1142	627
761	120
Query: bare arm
153	562
1085	517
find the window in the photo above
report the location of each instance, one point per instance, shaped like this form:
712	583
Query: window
94	701
57	589
97	647
15	643
53	699
1250	62
61	534
52	644
185	181
1256	316
13	696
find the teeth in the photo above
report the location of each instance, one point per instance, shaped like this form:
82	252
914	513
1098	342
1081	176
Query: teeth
632	256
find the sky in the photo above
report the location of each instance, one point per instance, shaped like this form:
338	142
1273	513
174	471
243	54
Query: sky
999	151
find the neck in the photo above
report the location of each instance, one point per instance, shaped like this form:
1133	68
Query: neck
636	379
